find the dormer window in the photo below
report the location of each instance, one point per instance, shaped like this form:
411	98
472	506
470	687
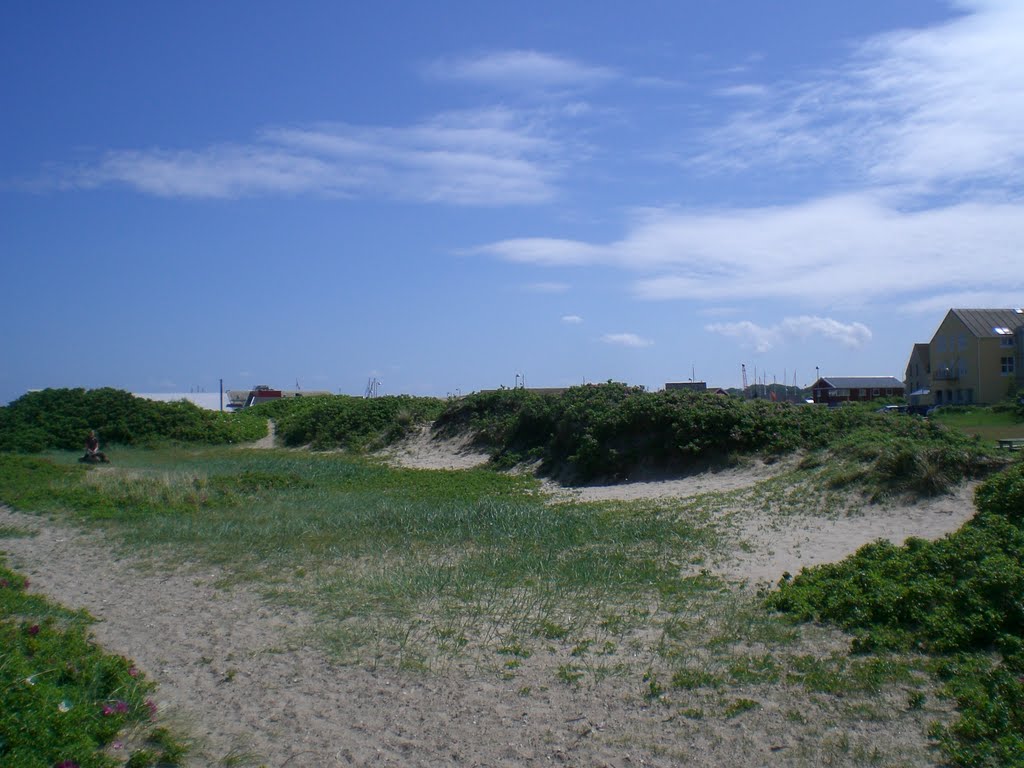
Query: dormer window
1000	331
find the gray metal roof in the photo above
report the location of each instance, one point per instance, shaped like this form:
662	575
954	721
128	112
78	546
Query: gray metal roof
981	322
862	382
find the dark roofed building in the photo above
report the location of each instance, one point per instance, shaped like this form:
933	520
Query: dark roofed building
832	390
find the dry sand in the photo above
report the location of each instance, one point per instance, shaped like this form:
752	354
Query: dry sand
244	679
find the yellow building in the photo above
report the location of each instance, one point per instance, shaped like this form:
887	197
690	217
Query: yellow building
975	356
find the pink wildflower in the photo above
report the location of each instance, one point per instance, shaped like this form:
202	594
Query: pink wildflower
121	707
4	583
67	764
133	671
33	630
107	710
152	708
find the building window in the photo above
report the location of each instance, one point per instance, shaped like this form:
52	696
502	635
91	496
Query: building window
1006	342
874	392
1006	365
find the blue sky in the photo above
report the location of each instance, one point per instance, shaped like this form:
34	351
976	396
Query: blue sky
445	195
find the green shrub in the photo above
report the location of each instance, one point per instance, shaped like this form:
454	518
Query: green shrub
611	431
342	421
62	699
61	418
959	595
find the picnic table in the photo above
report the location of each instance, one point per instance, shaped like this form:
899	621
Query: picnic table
1011	443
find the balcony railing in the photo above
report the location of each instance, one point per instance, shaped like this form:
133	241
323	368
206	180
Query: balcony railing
945	374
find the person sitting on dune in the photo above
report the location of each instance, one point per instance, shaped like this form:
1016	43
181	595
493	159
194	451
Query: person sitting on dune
92	448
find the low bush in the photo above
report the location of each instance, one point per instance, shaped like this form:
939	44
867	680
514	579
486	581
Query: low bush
63	701
342	421
610	431
959	595
61	418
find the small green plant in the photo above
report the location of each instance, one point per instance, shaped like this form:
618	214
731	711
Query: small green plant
653	689
570	674
747	670
690	679
739	706
515	649
551	630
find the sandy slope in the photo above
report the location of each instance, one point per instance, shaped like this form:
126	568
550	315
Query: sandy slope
244	678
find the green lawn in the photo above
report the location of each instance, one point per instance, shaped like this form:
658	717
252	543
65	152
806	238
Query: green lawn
987	424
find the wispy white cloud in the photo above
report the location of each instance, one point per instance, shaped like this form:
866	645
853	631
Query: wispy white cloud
764	338
916	108
484	157
921	128
750	334
547	287
546	251
745	90
521	70
852	248
572	319
626	340
938	303
217	172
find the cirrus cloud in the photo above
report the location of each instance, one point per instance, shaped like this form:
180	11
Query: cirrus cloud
521	70
764	338
483	157
626	340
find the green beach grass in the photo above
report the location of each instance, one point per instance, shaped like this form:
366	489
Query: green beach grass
420	571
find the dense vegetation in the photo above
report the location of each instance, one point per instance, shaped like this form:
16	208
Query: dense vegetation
342	421
608	431
62	700
963	594
61	418
613	431
957	599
